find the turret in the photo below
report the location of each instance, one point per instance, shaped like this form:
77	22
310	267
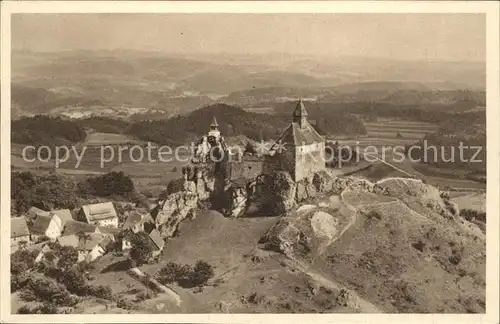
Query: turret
300	114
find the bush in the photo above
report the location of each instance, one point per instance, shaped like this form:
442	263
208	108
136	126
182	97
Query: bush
101	291
202	272
112	183
186	276
46	308
44	289
125	304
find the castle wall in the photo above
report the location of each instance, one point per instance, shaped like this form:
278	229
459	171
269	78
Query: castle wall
246	169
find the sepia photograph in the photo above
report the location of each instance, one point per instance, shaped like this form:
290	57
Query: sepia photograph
231	163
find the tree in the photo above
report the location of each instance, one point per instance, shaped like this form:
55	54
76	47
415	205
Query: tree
68	257
141	249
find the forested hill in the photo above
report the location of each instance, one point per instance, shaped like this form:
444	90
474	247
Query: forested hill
178	130
45	130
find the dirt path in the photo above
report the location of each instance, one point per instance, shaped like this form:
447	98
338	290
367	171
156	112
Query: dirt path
364	305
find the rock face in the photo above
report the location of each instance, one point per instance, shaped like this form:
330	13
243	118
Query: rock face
173	210
181	198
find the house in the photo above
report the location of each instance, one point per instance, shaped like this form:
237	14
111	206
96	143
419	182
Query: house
72	240
299	150
49	226
102	214
64	215
90	246
44	252
134	224
76	227
19	232
93	246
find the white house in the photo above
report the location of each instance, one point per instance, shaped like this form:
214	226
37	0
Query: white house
50	226
102	214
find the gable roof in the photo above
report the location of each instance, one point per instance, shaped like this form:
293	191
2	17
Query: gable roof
157	239
74	227
34	212
99	211
18	227
68	240
133	218
41	224
63	214
93	239
37	247
108	230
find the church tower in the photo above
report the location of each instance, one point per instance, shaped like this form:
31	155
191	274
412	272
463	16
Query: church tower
300	115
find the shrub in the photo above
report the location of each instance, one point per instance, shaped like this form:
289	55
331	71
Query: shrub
101	291
44	289
46	308
124	304
186	276
202	272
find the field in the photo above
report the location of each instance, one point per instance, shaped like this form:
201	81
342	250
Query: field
384	132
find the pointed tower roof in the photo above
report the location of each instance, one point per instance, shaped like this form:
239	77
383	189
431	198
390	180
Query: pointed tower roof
300	110
214	123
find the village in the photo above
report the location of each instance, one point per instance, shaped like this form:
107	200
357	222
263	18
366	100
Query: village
93	231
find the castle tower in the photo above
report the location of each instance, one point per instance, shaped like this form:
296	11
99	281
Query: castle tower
299	150
300	115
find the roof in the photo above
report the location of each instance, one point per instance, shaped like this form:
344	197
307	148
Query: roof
300	110
99	211
298	136
68	240
91	241
41	224
18	227
214	122
132	219
38	247
108	230
34	212
74	227
63	214
157	239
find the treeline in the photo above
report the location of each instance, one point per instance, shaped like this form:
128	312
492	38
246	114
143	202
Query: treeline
46	130
327	121
232	121
55	191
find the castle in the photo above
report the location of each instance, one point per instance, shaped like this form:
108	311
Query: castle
299	151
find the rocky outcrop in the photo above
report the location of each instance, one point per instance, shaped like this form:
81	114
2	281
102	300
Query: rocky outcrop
303	234
173	210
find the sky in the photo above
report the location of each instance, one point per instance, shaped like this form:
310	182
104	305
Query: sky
451	37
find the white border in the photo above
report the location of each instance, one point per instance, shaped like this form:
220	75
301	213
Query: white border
491	9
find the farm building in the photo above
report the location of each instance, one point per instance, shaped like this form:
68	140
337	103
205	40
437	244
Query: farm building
102	214
34	212
19	232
